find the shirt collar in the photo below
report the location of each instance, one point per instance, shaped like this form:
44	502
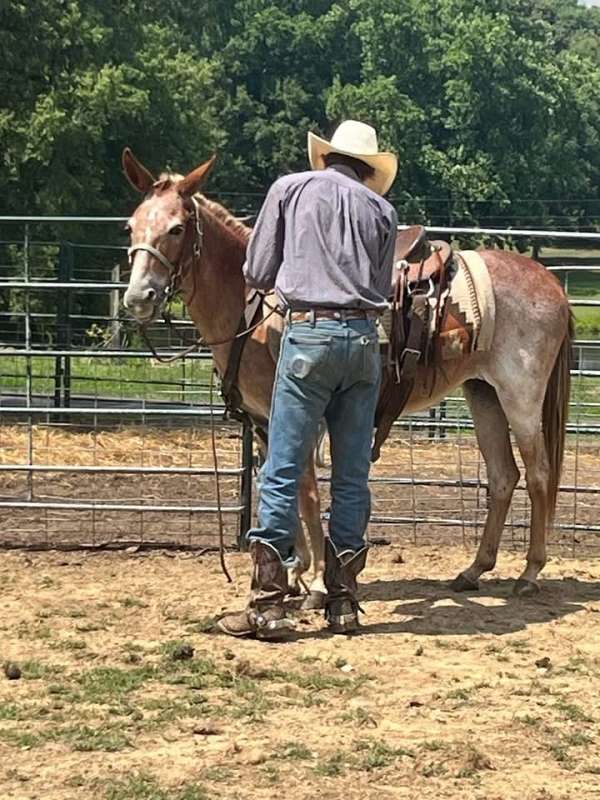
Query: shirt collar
345	170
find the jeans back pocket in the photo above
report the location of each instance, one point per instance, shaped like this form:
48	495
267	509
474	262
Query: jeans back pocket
307	356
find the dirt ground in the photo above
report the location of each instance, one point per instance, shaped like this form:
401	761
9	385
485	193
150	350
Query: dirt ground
124	693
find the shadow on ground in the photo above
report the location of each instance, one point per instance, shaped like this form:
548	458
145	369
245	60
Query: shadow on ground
426	607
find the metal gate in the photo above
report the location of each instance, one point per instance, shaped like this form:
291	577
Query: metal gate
100	445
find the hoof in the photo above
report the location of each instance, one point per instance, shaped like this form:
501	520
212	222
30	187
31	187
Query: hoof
314	600
525	588
294	590
463	584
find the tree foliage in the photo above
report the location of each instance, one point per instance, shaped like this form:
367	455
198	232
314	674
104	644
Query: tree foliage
492	105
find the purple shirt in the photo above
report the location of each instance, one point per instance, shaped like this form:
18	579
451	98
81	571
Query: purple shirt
323	238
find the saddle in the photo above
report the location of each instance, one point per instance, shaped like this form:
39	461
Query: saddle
426	260
422	270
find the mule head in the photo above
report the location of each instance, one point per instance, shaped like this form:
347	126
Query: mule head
162	228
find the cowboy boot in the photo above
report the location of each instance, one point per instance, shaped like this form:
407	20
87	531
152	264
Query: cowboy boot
265	615
341	572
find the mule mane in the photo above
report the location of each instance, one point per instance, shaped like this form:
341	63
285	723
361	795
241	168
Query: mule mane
224	216
168	179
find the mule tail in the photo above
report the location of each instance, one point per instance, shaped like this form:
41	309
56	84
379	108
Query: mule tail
555	414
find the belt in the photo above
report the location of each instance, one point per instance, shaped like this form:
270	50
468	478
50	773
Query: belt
313	314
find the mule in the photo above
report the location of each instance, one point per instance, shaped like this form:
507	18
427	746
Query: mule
180	239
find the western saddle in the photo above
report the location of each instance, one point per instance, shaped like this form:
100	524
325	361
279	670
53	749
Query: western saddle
426	260
421	274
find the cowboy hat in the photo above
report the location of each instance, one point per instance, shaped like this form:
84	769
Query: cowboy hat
358	140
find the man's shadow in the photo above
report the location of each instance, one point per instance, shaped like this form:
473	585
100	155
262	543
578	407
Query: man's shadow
427	607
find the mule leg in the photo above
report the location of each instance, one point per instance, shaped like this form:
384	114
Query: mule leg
310	511
491	428
530	441
302	554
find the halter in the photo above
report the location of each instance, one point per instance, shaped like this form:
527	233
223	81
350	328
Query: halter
175	270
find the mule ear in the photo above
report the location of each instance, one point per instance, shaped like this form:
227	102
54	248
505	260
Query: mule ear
191	183
136	173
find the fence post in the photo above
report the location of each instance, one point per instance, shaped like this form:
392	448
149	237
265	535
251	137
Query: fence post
115	303
432	418
246	487
62	376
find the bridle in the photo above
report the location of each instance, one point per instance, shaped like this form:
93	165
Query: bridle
175	270
175	275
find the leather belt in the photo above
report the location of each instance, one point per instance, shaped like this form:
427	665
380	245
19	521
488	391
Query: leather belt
314	314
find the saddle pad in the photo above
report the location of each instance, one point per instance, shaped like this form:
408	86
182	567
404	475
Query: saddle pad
472	293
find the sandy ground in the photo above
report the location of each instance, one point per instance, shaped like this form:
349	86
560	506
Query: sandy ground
442	696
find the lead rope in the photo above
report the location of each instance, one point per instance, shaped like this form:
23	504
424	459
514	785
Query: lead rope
217	480
200	342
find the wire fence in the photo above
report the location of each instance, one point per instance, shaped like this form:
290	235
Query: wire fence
100	445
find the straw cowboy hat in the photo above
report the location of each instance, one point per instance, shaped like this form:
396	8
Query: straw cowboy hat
358	140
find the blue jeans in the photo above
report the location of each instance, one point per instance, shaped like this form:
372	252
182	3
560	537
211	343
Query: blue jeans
331	370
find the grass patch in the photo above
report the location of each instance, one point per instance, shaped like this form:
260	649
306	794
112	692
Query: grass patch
218	774
560	752
168	709
578	739
572	712
475	761
85	739
376	754
319	681
296	751
254	705
180	650
114	377
202	625
527	719
36	670
434	770
145	787
69	645
459	694
333	766
271	773
105	684
24	739
360	717
9	711
433	745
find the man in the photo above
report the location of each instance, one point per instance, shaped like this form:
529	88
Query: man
325	240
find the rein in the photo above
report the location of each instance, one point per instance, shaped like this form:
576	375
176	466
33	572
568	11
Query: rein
200	341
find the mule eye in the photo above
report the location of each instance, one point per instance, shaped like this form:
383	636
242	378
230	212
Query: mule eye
176	230
127	228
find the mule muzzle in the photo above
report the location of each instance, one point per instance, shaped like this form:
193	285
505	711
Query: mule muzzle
143	303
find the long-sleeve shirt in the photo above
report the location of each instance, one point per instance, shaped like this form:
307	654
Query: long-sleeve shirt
324	239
